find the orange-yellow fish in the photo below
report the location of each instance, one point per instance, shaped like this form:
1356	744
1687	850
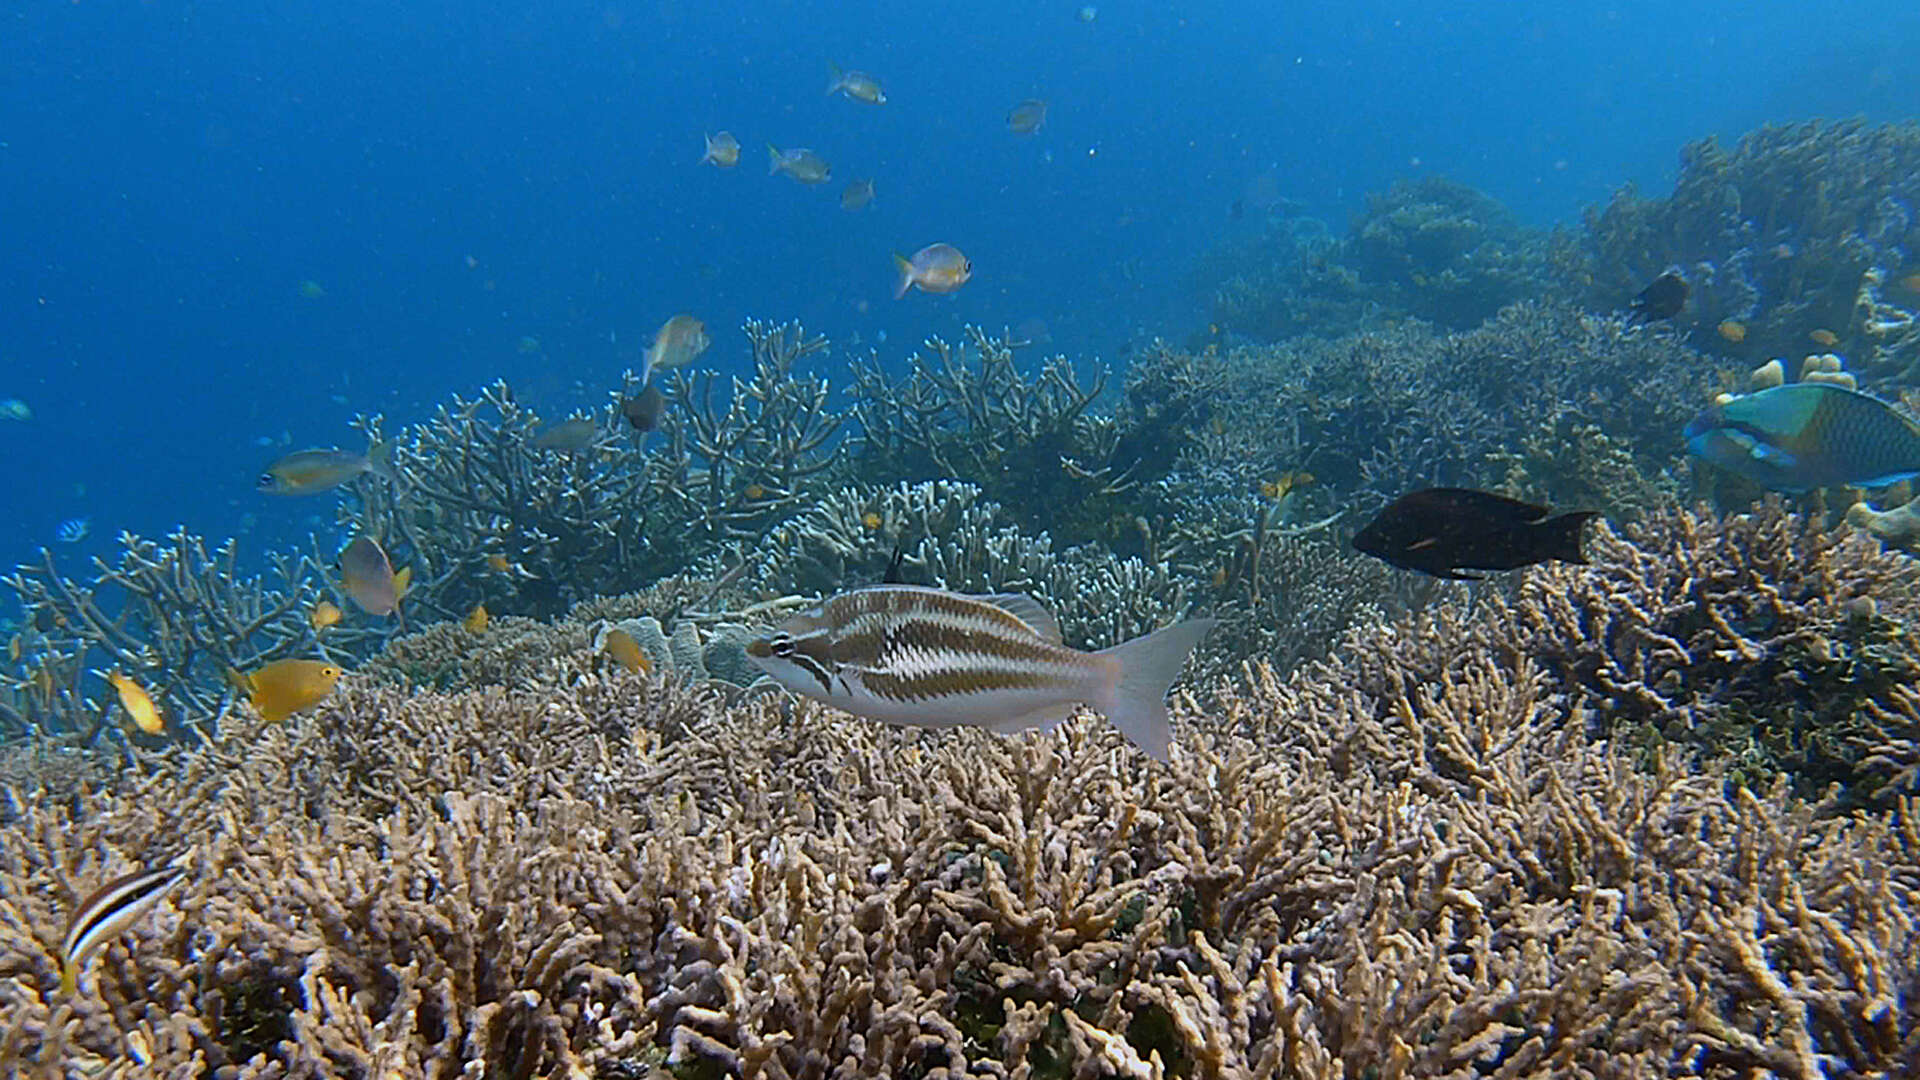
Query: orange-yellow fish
1286	484
368	578
285	687
325	613
936	268
871	520
1823	337
498	563
139	705
626	651
1733	330
476	620
723	151
402	581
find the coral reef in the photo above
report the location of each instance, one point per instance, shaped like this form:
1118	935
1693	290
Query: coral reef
1430	248
1411	860
1796	234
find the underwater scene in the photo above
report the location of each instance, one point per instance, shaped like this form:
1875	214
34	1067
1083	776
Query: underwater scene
1012	541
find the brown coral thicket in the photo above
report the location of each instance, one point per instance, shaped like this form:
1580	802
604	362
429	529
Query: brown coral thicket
1348	874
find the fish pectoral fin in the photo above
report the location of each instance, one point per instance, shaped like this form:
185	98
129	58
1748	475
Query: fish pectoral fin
1043	719
1418	544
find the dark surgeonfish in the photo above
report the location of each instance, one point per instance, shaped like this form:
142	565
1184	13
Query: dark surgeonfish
1808	435
1442	531
1661	300
644	409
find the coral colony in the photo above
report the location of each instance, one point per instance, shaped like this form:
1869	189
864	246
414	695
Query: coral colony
1651	815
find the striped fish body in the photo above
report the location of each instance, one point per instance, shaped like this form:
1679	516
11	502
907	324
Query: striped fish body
925	657
108	913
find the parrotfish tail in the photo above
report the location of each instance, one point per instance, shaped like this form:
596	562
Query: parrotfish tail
905	269
1148	666
773	159
1561	536
69	978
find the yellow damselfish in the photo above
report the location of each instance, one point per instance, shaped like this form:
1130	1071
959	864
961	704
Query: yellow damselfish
325	613
139	705
285	687
626	651
476	620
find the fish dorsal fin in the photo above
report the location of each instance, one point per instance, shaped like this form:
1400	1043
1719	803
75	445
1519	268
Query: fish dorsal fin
1029	611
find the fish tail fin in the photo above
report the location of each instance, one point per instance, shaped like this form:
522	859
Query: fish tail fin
1562	535
1148	665
380	461
240	681
69	978
905	279
773	159
834	76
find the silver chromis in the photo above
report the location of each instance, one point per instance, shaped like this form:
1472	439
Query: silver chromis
922	657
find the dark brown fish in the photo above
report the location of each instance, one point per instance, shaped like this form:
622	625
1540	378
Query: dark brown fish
1442	531
1661	300
644	409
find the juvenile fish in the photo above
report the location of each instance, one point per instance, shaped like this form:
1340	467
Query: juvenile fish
922	657
1808	435
107	914
138	703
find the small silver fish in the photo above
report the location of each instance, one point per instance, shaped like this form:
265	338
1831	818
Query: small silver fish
922	657
73	530
310	472
800	163
858	194
856	85
723	151
108	913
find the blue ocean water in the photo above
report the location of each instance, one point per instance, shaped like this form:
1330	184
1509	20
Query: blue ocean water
228	224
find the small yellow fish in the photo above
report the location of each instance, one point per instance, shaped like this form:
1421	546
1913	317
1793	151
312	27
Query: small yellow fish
285	687
14	649
43	682
755	493
139	705
936	268
109	912
800	163
498	563
678	341
723	151
871	520
476	620
1027	117
1286	484
402	582
626	651
1733	330
325	613
368	578
856	85
1823	337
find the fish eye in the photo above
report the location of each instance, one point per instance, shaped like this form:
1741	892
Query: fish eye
266	479
781	646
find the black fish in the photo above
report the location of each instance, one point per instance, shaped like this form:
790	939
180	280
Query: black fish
644	409
1661	300
1441	531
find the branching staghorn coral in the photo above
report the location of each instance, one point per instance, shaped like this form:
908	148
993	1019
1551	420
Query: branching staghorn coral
171	615
1336	876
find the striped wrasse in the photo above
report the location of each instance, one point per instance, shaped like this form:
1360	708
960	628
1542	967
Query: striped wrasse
108	913
924	657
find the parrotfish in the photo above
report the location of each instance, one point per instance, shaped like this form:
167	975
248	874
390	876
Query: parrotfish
1808	435
1442	531
922	657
